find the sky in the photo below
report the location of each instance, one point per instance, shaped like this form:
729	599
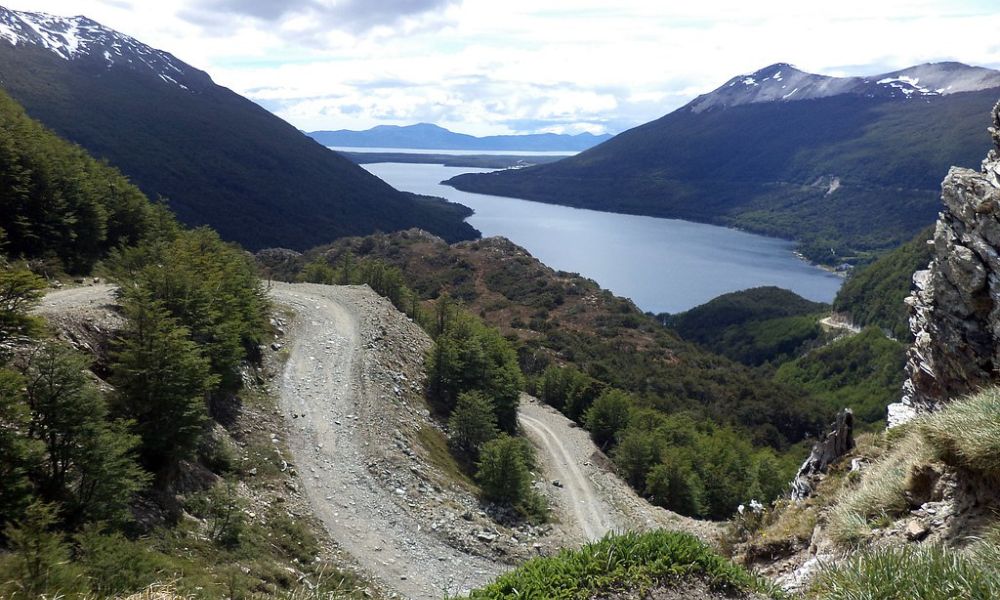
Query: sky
528	66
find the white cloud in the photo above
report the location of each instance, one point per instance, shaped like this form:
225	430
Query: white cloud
491	67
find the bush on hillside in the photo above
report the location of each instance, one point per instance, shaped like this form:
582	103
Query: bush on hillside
627	561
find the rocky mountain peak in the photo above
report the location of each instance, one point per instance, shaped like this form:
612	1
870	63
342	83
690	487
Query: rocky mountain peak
782	82
81	38
955	307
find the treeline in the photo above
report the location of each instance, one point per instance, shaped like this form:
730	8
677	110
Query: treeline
679	460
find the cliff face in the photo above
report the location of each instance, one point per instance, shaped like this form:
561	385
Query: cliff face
955	307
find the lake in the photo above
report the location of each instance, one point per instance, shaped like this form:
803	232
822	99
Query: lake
663	265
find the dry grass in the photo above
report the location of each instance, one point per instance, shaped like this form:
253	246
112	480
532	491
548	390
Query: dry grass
881	492
967	433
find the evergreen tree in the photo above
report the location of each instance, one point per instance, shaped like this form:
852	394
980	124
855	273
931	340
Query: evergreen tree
89	463
20	290
636	455
675	486
608	416
471	356
503	471
18	452
162	380
39	563
472	423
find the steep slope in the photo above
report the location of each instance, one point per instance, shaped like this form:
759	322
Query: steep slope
433	137
955	306
220	159
875	294
845	166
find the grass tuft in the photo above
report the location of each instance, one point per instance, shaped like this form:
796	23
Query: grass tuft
880	494
967	433
924	572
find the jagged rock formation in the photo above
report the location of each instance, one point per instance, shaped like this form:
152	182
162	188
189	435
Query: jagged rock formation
838	442
955	307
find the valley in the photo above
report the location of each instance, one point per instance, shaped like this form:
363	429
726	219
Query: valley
633	335
663	265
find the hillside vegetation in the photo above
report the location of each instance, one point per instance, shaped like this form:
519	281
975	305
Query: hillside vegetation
130	459
770	168
605	364
766	324
629	562
218	158
874	293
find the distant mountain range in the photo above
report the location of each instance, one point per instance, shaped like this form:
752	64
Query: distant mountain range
425	136
847	166
218	158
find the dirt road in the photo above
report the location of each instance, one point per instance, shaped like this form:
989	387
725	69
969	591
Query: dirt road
86	297
337	413
327	400
590	499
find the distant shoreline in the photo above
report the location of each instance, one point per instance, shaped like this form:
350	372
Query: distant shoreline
475	161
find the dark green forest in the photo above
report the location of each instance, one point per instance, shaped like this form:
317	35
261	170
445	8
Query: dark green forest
103	453
219	159
752	326
874	293
769	168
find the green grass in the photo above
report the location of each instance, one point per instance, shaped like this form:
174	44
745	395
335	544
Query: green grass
881	493
902	573
967	434
623	562
435	444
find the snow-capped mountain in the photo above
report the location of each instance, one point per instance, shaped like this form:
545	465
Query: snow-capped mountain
80	38
218	158
782	82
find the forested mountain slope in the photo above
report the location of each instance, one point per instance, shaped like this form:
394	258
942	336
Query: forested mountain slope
845	173
218	158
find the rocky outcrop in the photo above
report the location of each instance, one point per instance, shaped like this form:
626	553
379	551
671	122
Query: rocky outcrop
955	306
838	442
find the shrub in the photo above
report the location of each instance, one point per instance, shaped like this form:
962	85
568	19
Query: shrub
622	561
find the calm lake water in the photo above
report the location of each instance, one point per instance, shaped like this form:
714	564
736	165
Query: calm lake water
663	265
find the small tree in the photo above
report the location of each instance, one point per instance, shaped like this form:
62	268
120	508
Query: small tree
39	563
675	486
162	381
503	472
19	291
89	463
635	455
472	423
471	356
608	416
17	451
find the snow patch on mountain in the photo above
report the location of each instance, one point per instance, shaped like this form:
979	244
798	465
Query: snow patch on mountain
76	38
782	82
